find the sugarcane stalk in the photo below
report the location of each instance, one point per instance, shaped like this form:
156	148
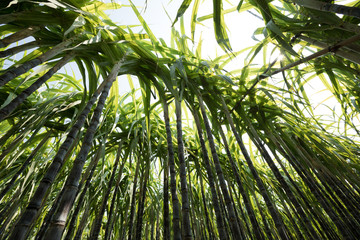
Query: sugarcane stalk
207	219
140	213
13	144
30	214
329	7
9	108
186	226
23	68
58	221
109	225
351	56
211	179
315	189
21	34
6	18
82	224
95	229
24	165
88	176
17	49
133	201
273	211
255	225
166	200
266	156
334	48
236	231
175	200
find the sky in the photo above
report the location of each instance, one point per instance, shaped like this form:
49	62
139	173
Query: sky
160	14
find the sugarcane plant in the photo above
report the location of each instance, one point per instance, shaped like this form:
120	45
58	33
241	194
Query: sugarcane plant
196	149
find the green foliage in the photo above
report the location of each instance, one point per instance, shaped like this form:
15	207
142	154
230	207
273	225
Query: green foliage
283	168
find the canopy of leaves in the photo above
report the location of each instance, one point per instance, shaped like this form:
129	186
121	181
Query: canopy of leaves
243	153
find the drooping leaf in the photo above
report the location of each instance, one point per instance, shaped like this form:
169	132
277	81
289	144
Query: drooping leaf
220	27
184	6
78	22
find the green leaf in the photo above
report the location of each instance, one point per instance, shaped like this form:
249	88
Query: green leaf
280	37
227	79
245	7
78	22
219	25
193	18
144	24
238	8
184	5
